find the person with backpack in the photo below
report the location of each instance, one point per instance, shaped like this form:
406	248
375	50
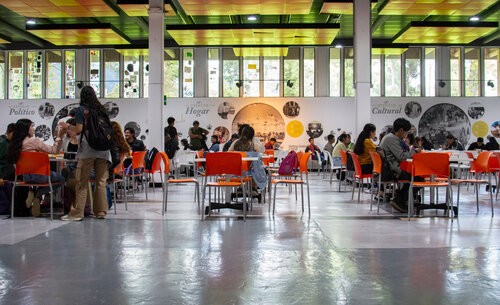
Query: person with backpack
96	139
171	138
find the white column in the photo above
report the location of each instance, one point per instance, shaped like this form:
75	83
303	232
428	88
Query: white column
443	71
362	62
154	121
322	68
200	72
82	69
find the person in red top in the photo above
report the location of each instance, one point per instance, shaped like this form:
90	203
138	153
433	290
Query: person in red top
313	149
270	144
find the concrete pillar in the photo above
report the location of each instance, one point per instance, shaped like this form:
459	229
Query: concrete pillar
200	72
443	71
362	62
322	68
82	69
154	121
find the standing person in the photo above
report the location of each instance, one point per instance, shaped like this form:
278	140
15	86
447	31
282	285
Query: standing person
329	146
135	144
196	135
364	145
23	139
492	144
452	143
171	138
477	145
6	169
228	144
270	144
88	158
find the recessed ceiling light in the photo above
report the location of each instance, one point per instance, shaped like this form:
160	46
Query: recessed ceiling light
474	18
252	17
338	46
30	21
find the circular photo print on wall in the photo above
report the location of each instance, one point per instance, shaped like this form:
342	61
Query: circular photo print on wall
413	109
135	126
495	129
222	134
42	132
46	110
443	119
475	111
224	109
295	129
112	109
480	129
291	109
62	113
267	122
314	129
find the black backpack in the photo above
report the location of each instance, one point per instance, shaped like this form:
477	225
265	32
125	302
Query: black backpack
100	131
150	158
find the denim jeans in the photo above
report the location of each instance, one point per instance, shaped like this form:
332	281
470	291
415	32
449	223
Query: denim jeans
54	177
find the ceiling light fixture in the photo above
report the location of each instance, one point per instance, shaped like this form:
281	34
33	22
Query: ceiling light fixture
30	21
252	18
338	46
474	18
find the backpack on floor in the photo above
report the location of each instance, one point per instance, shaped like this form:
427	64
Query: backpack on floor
289	164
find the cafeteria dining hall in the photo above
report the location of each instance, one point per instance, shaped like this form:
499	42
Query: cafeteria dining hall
249	152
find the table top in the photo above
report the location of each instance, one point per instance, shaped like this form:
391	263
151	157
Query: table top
243	159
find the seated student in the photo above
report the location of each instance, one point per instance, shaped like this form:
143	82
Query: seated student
329	146
228	144
120	147
256	144
364	145
23	140
394	154
270	144
313	149
426	144
135	144
245	141
452	143
215	144
479	144
492	144
185	144
342	142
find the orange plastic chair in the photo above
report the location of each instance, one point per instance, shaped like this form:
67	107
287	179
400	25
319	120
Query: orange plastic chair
430	164
270	152
33	163
155	168
221	164
303	170
137	162
343	168
358	175
166	171
377	169
482	165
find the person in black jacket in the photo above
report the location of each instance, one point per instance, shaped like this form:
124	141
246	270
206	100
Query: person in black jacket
492	144
477	145
135	144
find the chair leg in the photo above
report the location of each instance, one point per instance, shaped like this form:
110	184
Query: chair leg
360	188
165	202
302	196
12	202
410	202
114	196
145	185
491	194
203	202
353	187
458	195
197	187
274	198
476	188
308	198
244	202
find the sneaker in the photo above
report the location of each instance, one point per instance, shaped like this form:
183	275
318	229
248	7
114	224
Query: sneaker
35	208
69	218
100	216
29	199
399	207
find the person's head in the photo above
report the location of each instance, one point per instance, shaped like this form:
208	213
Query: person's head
184	142
419	141
241	127
450	139
492	140
129	133
89	99
311	141
344	138
10	130
214	139
244	143
71	133
410	139
234	137
480	141
272	141
171	121
119	139
369	132
23	128
196	124
400	127
331	138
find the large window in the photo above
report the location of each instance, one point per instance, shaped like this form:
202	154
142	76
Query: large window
348	72
471	66
455	67
392	73
145	73
251	76
188	73
291	73
335	71
272	76
16	74
412	68
491	67
171	73
95	71
213	72
54	74
34	77
376	77
430	72
131	76
309	71
2	75
230	73
69	74
111	74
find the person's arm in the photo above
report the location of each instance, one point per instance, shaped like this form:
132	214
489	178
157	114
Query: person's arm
394	145
39	146
193	136
369	145
257	145
307	149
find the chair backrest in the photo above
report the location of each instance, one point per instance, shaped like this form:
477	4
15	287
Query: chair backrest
343	158
166	162
299	156
33	163
199	155
244	164
357	166
270	152
138	159
472	163
494	163
377	162
483	161
427	164
223	163
120	168
156	167
303	162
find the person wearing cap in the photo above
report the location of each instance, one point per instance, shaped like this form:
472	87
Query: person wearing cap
196	135
479	144
452	143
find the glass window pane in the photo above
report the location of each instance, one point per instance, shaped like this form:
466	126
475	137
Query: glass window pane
348	71
213	72
2	75
430	72
412	67
54	74
272	76
455	68
291	66
251	86
491	76
16	72
34	85
392	74
308	71
335	71
171	73
111	74
131	76
95	71
230	73
69	74
188	72
376	77
145	64
471	63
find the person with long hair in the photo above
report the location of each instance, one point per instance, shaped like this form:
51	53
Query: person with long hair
492	144
23	139
120	148
364	145
256	144
88	158
245	142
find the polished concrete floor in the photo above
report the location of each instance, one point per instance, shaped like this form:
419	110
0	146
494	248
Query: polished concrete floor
343	254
